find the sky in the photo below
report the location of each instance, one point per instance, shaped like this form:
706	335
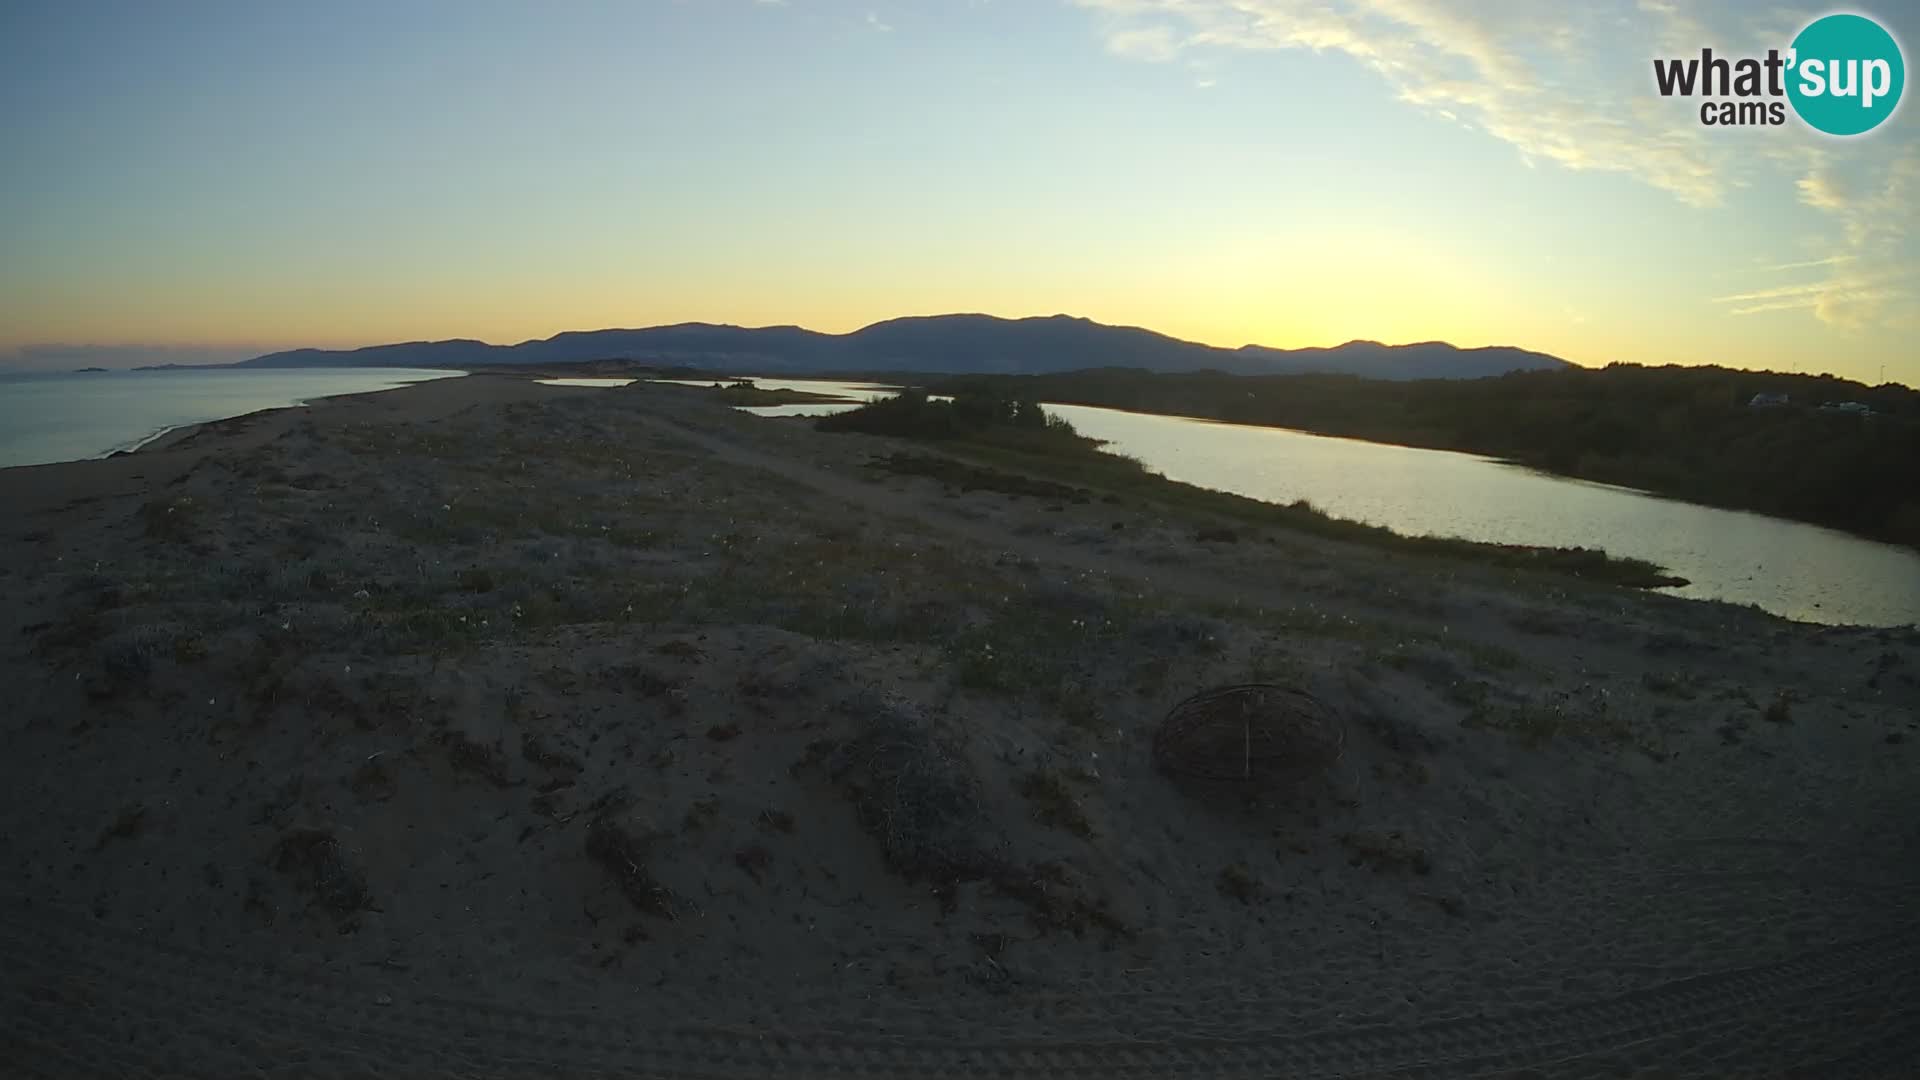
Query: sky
208	181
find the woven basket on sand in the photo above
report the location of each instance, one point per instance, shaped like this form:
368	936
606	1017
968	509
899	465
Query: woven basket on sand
1254	732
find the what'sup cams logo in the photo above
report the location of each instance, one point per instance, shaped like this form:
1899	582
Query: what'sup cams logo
1842	75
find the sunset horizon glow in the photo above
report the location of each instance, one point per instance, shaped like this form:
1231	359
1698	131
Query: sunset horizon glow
215	181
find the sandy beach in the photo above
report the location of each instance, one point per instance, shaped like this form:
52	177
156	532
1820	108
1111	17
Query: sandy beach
484	728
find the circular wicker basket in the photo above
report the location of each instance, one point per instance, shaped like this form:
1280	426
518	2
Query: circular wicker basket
1254	732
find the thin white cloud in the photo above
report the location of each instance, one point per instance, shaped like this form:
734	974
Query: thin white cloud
1808	288
1519	71
1571	86
1822	190
1871	270
1676	29
1145	43
1844	308
1810	264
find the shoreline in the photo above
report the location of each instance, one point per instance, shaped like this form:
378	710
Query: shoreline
619	369
274	419
28	489
1709	583
139	443
1445	448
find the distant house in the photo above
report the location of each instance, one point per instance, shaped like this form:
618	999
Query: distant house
1768	401
1857	408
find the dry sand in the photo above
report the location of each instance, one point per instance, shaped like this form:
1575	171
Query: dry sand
483	728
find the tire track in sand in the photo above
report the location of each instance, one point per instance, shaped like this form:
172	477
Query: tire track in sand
83	999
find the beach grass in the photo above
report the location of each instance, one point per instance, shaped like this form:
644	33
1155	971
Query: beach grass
1075	469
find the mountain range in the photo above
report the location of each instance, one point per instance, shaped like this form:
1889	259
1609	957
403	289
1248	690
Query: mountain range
946	344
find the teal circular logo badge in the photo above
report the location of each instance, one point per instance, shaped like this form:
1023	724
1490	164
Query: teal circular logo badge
1845	74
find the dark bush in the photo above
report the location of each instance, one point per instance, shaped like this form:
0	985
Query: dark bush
314	860
911	414
625	852
918	799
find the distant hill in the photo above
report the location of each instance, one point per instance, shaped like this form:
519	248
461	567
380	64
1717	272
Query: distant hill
949	344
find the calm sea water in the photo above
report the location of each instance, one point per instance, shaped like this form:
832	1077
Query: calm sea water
50	417
1801	571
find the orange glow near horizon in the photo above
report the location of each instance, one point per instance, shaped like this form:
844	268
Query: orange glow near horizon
625	166
1453	307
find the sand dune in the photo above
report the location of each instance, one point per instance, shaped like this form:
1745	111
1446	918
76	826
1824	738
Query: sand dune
489	728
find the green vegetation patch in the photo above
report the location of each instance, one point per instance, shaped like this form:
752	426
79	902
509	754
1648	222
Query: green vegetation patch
970	477
1053	802
911	414
747	394
1018	446
1083	465
174	521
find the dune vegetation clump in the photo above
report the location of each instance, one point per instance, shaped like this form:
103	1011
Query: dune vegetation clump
917	798
912	414
625	852
174	521
316	863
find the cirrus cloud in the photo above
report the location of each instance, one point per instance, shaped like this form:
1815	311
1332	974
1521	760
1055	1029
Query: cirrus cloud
1572	86
1522	72
1867	277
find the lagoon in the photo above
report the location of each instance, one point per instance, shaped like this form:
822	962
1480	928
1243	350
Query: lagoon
1789	568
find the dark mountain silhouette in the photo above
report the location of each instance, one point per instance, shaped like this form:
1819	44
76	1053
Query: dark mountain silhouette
1421	360
950	344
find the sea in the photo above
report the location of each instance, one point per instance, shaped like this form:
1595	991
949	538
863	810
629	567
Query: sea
47	417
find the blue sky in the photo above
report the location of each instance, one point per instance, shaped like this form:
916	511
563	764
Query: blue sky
191	179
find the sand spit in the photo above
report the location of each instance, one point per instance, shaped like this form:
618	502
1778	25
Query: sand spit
503	729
